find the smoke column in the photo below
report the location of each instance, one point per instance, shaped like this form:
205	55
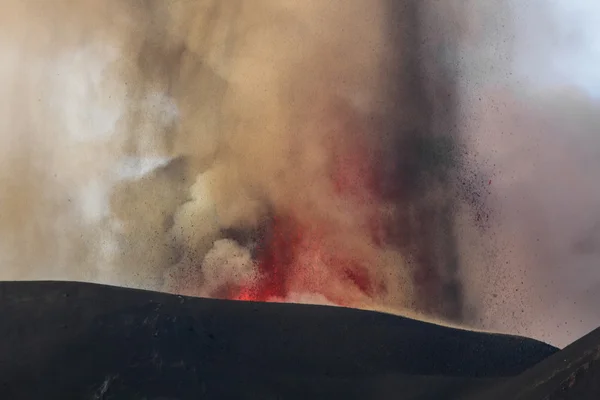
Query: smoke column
223	149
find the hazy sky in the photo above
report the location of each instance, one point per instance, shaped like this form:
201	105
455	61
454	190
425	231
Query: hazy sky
559	42
530	112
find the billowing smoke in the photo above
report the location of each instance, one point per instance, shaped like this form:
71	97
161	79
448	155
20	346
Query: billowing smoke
300	150
224	149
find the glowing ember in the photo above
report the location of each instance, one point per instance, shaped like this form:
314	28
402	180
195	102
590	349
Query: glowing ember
246	294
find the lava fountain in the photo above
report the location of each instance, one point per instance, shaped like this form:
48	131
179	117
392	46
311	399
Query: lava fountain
303	252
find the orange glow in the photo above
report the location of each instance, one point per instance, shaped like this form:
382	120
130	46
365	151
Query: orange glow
245	294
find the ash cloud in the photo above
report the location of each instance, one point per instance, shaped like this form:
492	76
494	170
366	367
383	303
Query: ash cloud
144	143
138	135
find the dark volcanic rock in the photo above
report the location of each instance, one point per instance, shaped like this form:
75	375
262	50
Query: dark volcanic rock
83	341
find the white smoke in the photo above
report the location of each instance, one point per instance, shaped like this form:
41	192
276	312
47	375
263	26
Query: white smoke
226	265
65	126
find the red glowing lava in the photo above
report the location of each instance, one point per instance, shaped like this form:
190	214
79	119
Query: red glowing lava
246	294
298	255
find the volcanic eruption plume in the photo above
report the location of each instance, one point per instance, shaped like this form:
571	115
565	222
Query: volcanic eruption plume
325	151
226	149
294	173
